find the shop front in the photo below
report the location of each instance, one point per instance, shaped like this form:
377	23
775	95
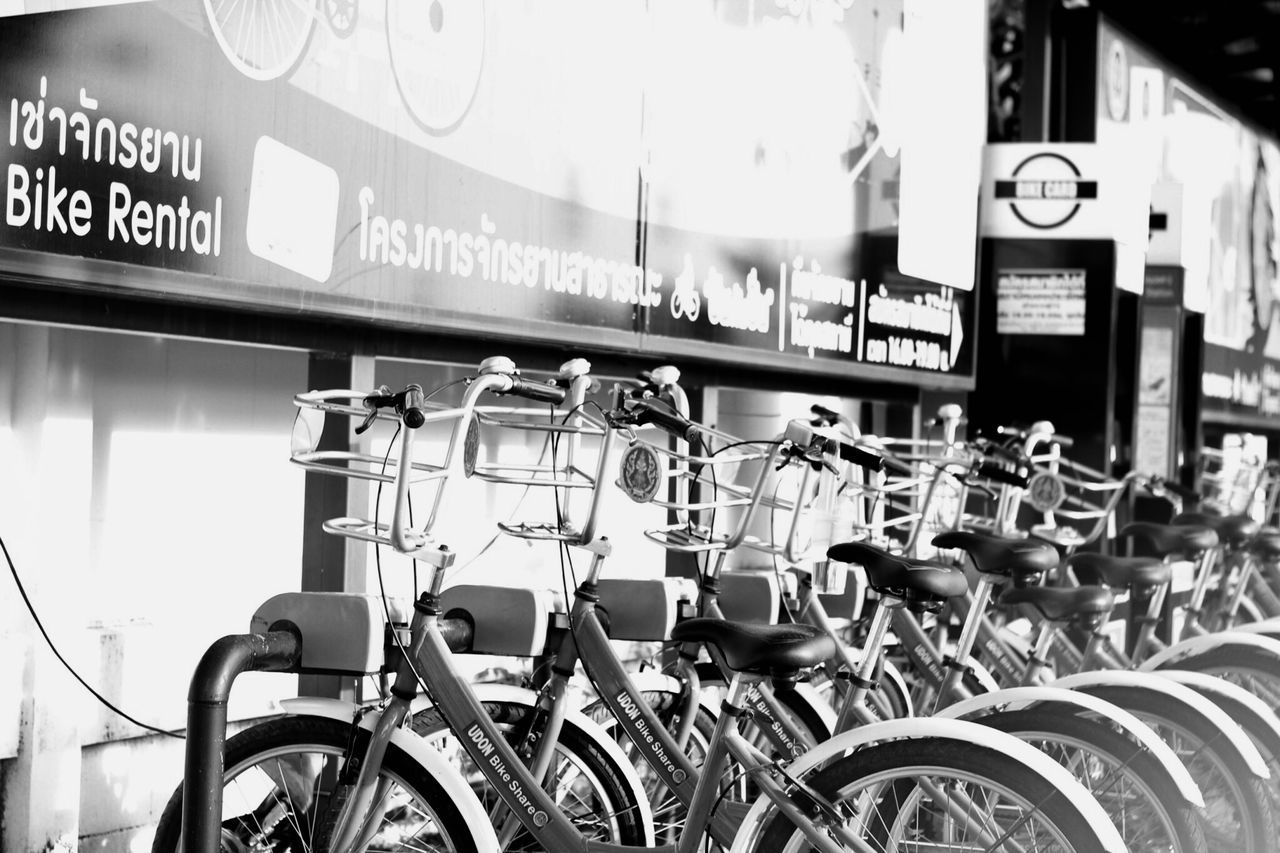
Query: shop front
199	224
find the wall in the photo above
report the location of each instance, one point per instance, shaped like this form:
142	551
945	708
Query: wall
148	505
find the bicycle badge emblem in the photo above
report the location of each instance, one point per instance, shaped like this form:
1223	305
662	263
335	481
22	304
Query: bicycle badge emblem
640	473
471	447
1045	491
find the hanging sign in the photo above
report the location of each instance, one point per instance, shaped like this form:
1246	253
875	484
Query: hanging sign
1040	302
1063	191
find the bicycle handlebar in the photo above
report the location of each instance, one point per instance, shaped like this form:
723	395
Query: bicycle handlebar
536	391
657	412
827	416
992	471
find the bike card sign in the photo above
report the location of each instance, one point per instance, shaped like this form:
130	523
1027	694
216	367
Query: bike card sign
525	171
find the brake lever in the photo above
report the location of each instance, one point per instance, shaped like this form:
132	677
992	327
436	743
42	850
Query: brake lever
379	398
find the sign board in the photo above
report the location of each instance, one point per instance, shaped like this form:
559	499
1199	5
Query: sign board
1063	191
1040	302
612	208
941	172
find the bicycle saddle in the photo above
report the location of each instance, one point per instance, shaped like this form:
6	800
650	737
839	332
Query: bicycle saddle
921	582
1235	530
774	650
1059	604
1169	539
998	555
1120	571
1266	545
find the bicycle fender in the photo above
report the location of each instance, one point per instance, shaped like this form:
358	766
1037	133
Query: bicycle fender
417	749
1177	694
1265	628
1020	698
983	676
959	731
1179	652
517	695
892	673
1212	686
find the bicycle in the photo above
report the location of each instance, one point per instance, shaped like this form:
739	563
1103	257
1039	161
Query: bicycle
1015	798
436	54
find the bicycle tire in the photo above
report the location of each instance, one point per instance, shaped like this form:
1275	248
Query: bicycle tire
305	735
1237	813
887	773
1251	667
579	755
1133	771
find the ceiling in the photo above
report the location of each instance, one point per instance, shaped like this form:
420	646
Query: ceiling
1230	47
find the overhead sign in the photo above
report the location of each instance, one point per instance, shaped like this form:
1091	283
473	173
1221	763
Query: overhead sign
1062	191
620	212
942	171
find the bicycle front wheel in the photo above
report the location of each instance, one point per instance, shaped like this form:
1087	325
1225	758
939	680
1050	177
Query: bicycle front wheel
279	792
922	794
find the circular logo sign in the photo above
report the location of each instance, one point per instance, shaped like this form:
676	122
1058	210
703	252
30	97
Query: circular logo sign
640	473
1046	491
471	447
1046	190
678	776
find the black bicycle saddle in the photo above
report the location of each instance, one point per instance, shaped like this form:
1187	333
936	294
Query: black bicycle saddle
1169	539
998	555
773	650
921	582
1119	571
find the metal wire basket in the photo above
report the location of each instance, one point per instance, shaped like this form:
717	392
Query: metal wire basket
1234	479
449	441
713	487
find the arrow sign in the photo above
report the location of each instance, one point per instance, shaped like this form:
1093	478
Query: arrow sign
957	332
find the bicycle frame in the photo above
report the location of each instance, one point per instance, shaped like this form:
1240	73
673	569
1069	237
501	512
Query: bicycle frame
428	661
429	658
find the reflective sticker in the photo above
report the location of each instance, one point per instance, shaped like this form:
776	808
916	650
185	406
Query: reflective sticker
471	447
640	473
1045	491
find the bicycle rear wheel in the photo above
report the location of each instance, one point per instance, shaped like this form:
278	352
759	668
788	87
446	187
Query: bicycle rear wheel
1238	813
280	784
585	782
922	794
1138	794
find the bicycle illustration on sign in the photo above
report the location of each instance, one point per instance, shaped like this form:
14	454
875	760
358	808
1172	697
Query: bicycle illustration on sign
685	298
436	47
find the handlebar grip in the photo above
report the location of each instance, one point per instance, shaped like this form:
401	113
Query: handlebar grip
414	400
666	418
1190	495
1063	441
537	391
992	471
829	417
894	466
861	458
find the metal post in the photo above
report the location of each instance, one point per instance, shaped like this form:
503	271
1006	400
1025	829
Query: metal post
274	651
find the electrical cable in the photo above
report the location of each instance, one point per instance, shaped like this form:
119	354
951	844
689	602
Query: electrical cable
49	641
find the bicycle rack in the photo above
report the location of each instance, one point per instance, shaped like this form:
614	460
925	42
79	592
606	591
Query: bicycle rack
274	651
